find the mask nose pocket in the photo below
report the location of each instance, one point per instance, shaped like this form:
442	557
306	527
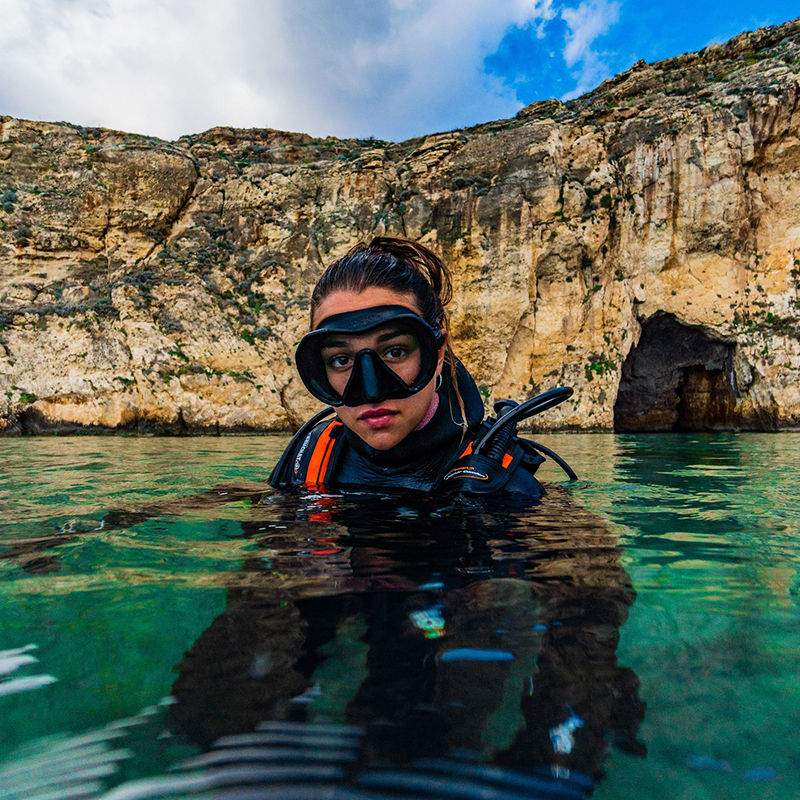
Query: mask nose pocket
372	381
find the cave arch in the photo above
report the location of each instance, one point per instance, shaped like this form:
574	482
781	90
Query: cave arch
677	378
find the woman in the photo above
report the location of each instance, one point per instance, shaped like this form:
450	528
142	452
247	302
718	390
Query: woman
407	411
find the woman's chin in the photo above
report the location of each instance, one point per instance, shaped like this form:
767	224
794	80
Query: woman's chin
381	439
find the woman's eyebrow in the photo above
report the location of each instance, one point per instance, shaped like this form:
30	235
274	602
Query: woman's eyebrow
393	333
330	343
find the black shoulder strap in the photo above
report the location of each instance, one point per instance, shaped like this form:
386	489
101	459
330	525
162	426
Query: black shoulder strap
314	468
282	475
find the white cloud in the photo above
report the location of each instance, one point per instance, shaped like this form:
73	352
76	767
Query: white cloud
591	19
389	68
544	12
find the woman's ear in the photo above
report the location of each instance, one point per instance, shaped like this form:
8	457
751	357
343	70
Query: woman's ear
442	351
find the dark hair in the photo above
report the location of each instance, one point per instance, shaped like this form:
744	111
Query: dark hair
402	265
392	263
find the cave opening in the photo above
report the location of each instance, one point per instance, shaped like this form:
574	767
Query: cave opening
677	378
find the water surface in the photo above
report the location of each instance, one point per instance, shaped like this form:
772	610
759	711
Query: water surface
636	634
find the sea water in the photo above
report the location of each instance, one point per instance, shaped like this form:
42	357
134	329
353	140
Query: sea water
170	627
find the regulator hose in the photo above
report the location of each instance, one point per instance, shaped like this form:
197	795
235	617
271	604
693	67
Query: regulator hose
555	456
495	440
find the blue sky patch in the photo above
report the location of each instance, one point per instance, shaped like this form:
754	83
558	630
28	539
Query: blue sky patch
531	59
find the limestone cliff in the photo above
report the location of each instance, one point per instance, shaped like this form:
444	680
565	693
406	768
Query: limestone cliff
640	243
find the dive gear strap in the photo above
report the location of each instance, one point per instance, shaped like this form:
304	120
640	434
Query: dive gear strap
308	461
479	474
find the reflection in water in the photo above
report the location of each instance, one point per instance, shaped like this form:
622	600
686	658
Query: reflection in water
368	647
709	525
447	638
73	767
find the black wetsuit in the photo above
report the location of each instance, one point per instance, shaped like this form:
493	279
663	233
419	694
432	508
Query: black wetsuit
418	463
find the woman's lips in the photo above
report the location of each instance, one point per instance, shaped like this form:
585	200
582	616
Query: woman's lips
377	417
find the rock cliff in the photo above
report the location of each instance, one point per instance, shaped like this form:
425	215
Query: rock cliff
640	243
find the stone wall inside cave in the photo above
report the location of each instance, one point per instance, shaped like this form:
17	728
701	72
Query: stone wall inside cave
678	378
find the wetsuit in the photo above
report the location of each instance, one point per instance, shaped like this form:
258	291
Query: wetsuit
330	455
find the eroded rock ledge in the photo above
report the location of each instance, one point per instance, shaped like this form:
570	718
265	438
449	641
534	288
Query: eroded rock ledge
642	241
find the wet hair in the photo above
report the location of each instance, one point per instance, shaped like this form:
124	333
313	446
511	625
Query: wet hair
390	263
401	265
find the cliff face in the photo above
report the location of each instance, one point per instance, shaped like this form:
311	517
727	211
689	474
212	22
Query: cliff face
641	243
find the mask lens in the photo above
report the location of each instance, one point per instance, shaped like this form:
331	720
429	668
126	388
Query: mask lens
396	344
372	354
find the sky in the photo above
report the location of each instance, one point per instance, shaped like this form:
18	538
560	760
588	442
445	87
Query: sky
392	69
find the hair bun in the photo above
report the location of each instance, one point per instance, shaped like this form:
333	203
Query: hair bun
419	258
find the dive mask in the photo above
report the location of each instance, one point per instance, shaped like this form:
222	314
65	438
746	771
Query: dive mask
369	355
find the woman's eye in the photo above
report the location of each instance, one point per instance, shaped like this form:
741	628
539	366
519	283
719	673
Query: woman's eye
339	362
397	351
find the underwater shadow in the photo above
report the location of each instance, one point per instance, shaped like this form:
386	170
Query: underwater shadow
415	645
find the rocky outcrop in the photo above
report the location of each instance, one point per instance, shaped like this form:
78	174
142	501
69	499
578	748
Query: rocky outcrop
148	285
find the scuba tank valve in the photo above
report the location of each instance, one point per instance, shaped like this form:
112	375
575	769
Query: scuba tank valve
497	452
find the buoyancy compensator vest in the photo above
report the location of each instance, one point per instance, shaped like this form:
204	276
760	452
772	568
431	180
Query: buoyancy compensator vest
472	457
491	462
325	453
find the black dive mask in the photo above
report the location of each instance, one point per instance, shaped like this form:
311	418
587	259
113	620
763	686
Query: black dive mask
404	358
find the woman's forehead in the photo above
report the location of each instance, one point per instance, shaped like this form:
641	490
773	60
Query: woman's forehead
343	301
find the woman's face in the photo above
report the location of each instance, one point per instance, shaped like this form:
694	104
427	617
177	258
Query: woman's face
381	425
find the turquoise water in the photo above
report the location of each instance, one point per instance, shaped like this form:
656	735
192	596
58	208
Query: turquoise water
125	607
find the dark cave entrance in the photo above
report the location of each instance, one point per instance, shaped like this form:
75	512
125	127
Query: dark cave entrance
678	378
